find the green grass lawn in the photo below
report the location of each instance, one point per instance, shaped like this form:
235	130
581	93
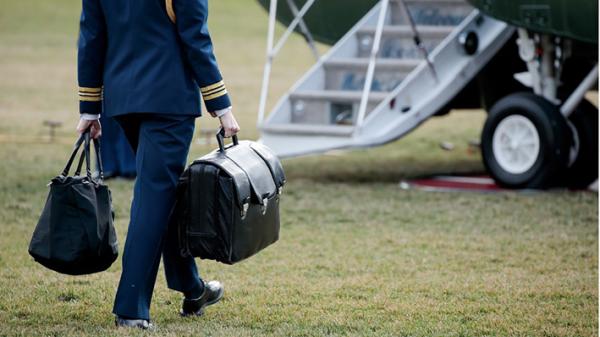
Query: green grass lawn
358	256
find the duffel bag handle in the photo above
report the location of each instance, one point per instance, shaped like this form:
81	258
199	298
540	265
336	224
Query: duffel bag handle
221	139
98	158
76	147
85	156
85	139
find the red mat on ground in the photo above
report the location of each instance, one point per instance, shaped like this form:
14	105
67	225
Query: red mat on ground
454	183
480	183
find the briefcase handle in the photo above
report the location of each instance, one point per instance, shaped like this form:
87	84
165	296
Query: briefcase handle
221	139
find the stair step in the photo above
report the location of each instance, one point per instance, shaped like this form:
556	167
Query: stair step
336	95
330	107
404	65
430	2
350	73
397	40
406	31
309	129
430	12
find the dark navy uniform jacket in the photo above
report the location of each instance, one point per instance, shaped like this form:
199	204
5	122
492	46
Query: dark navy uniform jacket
147	56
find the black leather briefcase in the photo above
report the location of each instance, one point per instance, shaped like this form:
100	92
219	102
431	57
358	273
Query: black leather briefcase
228	202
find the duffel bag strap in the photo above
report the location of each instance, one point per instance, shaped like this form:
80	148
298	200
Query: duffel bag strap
85	155
76	147
97	149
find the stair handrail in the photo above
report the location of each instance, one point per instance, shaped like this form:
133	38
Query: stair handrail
273	50
362	110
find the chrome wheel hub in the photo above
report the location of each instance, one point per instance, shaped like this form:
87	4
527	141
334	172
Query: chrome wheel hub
516	144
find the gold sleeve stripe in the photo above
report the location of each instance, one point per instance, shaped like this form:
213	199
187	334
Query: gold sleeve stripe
89	95
90	99
210	92
90	90
212	86
217	95
170	11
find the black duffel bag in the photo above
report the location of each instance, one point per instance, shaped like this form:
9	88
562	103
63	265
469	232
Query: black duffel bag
75	233
228	202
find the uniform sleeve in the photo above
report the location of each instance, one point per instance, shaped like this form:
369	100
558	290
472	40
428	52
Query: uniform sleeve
90	57
191	18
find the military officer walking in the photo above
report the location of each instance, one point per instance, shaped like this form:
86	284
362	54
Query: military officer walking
145	63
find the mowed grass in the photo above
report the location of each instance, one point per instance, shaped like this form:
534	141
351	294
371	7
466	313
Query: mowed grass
354	259
358	256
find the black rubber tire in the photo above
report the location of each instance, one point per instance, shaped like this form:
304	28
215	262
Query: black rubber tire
555	141
584	170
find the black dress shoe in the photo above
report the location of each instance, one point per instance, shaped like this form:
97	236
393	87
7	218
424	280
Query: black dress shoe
134	323
213	293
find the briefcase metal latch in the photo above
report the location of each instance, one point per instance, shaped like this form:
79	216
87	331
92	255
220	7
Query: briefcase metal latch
263	207
244	210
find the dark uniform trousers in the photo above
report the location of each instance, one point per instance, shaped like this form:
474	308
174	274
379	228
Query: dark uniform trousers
161	144
117	158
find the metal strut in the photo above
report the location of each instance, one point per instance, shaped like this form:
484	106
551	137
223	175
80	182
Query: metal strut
579	93
418	41
304	30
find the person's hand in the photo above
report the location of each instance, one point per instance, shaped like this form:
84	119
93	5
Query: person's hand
229	124
93	125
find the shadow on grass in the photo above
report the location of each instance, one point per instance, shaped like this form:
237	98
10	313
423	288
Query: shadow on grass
364	169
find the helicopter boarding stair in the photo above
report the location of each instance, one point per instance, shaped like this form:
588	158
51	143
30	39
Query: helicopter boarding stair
375	85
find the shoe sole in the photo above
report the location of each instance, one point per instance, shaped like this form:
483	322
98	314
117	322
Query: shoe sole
149	327
200	311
